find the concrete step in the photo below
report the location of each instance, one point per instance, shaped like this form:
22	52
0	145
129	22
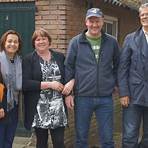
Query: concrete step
22	146
22	142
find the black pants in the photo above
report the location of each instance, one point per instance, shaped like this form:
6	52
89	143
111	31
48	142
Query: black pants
57	136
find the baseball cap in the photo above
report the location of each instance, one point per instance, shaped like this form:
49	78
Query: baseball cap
94	12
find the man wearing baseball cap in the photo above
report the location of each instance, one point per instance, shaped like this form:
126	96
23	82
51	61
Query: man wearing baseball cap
92	60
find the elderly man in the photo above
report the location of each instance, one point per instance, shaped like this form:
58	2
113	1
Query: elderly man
133	83
92	60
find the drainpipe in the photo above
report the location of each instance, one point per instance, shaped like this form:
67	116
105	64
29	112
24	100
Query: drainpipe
90	4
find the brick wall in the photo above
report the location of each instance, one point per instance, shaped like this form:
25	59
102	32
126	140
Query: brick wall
51	14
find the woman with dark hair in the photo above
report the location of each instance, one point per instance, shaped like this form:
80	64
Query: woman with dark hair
11	70
43	84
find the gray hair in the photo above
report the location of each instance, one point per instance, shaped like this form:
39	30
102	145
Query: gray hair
143	6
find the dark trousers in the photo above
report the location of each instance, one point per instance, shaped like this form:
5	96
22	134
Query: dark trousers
8	128
132	117
57	136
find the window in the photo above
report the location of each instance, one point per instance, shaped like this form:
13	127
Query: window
111	25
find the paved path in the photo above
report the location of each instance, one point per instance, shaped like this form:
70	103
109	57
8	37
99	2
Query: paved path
22	142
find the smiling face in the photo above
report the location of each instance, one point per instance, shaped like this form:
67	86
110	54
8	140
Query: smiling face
94	25
41	40
41	43
143	14
11	44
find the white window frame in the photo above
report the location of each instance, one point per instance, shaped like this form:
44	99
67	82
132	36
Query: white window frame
113	21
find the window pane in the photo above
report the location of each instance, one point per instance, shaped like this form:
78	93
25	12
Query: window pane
109	28
111	25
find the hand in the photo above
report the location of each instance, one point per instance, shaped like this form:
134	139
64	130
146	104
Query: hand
55	85
124	101
69	101
68	87
2	113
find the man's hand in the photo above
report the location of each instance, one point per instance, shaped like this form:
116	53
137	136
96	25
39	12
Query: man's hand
2	113
124	101
69	101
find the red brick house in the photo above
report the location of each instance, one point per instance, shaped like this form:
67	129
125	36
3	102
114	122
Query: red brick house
64	19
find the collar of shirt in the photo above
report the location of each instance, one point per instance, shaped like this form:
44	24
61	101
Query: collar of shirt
146	35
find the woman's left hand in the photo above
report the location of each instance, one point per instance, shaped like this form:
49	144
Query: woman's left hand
68	87
55	85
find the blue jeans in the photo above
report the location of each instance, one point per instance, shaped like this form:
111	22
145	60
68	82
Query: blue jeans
103	109
8	128
132	117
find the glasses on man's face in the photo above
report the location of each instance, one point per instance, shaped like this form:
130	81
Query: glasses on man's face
143	15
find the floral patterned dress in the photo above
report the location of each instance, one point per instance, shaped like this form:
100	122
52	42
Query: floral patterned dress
50	108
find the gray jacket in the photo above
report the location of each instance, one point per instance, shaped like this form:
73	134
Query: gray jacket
133	68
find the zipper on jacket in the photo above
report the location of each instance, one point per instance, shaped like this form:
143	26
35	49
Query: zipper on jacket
98	66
